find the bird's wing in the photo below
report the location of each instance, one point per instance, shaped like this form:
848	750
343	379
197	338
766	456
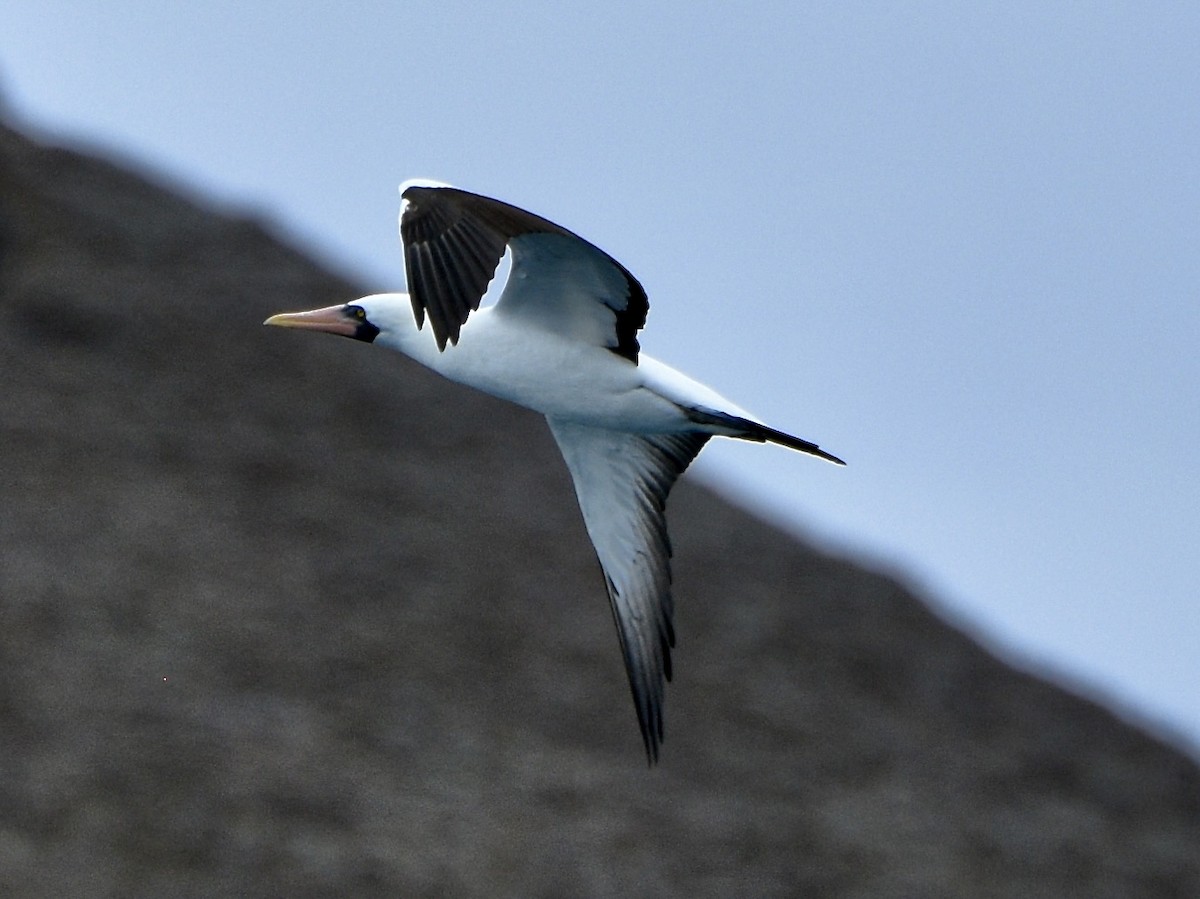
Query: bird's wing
454	241
622	481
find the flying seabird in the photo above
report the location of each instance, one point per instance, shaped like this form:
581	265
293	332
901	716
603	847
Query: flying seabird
561	340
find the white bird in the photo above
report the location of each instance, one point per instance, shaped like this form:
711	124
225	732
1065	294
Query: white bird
561	340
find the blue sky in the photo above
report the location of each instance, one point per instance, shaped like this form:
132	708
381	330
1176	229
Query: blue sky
955	244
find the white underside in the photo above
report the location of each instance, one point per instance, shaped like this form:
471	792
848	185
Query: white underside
563	378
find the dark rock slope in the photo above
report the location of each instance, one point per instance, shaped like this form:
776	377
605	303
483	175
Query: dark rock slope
281	615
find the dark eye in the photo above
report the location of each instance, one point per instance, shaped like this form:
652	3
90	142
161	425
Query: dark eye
358	312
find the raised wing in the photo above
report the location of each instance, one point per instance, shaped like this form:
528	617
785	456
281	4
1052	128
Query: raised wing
622	481
454	241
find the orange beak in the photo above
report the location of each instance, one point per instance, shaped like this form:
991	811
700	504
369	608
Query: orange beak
332	319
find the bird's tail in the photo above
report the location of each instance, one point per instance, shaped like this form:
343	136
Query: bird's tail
748	429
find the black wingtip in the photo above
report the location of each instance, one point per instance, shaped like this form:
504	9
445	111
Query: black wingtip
653	744
649	715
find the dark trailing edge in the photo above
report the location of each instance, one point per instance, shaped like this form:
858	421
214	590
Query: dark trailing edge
453	243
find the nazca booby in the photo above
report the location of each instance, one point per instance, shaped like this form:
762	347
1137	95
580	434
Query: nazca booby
561	340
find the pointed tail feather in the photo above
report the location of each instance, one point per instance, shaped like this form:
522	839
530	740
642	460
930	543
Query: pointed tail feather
761	433
745	429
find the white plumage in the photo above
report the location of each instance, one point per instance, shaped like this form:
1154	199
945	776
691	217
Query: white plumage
561	340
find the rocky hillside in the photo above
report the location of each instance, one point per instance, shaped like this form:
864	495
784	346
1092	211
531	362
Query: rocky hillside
283	615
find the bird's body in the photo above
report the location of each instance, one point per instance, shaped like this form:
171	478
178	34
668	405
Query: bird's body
561	340
548	373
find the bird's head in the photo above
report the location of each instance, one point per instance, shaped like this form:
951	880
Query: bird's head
364	319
